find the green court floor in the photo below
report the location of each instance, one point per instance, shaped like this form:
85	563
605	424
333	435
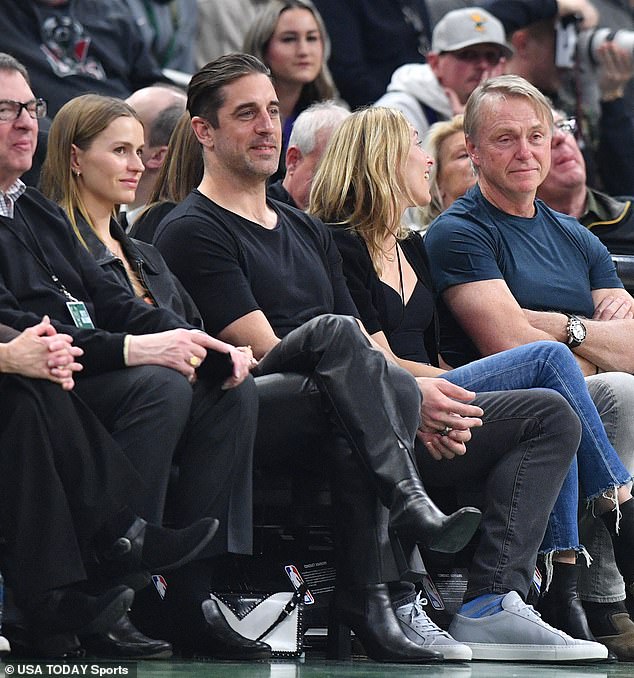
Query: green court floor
316	668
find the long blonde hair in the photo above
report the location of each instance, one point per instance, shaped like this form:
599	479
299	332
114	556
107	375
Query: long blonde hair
360	182
77	122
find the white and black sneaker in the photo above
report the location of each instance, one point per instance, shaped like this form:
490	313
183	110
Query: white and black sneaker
420	629
518	633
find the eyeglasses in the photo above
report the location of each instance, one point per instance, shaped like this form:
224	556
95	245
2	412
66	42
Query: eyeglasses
491	56
567	125
11	110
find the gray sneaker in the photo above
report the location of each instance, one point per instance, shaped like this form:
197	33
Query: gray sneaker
420	629
518	633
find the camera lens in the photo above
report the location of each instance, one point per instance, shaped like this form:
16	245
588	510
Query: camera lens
591	41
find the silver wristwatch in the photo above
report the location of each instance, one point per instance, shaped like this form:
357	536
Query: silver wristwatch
576	331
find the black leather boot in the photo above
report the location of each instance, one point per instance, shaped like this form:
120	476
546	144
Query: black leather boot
368	612
415	516
561	606
123	641
69	610
623	542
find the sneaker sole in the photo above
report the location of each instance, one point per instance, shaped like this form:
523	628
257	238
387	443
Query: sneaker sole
452	653
537	653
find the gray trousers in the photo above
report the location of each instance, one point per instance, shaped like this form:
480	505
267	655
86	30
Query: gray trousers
613	395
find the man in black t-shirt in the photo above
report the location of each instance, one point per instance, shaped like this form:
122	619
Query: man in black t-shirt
266	274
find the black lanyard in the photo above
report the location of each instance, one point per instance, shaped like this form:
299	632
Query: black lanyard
38	255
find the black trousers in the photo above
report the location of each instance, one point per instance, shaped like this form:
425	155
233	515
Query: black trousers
61	477
157	418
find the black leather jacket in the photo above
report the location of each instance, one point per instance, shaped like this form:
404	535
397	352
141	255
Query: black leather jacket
164	289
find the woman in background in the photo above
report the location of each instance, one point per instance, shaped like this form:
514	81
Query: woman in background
451	174
290	37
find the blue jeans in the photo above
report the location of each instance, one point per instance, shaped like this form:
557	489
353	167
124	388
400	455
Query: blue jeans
596	467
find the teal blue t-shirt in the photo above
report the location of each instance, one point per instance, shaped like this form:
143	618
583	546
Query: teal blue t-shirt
549	261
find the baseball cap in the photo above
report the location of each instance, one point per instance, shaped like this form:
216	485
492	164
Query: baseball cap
468	26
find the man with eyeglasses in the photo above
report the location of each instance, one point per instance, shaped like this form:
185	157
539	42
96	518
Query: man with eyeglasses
565	189
510	270
468	46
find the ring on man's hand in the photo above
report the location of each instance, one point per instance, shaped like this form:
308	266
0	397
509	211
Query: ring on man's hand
446	431
194	361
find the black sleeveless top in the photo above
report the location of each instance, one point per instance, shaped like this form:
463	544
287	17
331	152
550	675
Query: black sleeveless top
406	325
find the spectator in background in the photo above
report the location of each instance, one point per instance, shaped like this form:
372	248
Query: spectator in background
169	30
516	14
370	40
310	135
614	160
222	25
289	36
74	46
565	190
451	174
175	179
159	108
467	46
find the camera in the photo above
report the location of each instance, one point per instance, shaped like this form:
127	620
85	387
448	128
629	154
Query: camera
590	41
575	46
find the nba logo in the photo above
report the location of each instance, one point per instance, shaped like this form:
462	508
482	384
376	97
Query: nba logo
160	584
297	580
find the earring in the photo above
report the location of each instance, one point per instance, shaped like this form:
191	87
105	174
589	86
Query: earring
76	173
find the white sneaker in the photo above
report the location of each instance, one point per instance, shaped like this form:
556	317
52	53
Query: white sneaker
5	648
518	633
420	629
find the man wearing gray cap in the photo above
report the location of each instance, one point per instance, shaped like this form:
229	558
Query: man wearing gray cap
468	46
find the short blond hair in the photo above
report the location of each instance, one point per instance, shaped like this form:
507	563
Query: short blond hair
503	87
438	133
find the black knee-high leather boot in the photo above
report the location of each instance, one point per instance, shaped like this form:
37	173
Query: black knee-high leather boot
376	408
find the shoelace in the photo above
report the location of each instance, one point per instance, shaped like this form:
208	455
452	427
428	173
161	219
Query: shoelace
528	610
421	619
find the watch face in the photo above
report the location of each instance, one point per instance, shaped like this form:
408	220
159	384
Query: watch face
577	330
